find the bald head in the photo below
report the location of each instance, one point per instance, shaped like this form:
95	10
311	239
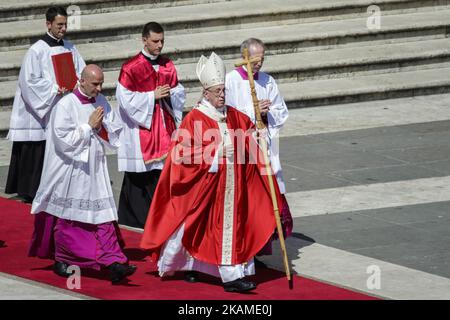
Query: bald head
91	80
256	49
91	71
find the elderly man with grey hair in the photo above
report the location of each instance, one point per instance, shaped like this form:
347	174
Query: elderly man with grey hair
274	113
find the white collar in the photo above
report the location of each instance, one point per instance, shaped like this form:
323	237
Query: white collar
209	105
217	114
148	55
53	37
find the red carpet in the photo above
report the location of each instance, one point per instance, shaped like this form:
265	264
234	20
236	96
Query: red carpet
16	228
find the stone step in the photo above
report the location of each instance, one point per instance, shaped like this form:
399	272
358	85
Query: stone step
279	39
32	9
362	88
205	17
314	65
365	88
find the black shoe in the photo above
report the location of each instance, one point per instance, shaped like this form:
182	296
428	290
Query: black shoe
27	199
191	276
23	198
119	271
239	285
60	268
259	264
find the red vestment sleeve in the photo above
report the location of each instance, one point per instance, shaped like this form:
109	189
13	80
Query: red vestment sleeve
103	133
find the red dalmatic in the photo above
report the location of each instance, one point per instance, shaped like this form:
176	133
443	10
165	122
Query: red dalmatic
138	75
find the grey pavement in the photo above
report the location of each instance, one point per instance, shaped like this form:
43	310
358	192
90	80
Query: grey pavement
15	288
414	236
366	156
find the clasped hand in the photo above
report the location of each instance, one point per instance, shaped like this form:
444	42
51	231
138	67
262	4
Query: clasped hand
162	91
96	118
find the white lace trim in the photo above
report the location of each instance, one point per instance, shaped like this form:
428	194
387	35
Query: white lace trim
79	204
228	206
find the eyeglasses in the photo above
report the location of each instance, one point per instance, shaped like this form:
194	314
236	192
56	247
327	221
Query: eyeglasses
217	92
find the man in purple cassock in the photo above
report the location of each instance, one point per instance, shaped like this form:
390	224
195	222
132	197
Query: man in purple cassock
75	213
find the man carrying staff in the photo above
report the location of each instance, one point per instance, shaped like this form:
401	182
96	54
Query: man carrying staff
274	113
36	94
151	102
212	210
76	217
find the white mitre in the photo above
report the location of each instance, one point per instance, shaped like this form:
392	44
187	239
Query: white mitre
211	72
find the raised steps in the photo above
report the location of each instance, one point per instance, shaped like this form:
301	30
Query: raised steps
320	52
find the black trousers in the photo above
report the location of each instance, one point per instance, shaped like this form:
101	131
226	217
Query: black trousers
25	168
136	196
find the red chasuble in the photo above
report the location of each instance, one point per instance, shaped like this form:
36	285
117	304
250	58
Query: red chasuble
188	193
137	74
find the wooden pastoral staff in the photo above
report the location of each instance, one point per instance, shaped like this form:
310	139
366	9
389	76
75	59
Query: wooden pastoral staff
263	143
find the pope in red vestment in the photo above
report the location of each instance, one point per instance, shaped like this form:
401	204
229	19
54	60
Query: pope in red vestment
189	193
214	189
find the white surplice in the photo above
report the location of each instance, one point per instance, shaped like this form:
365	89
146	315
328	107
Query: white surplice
136	109
75	183
238	95
36	91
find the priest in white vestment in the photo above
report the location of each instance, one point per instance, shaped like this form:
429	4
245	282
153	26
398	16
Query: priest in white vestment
36	94
273	111
271	103
76	217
